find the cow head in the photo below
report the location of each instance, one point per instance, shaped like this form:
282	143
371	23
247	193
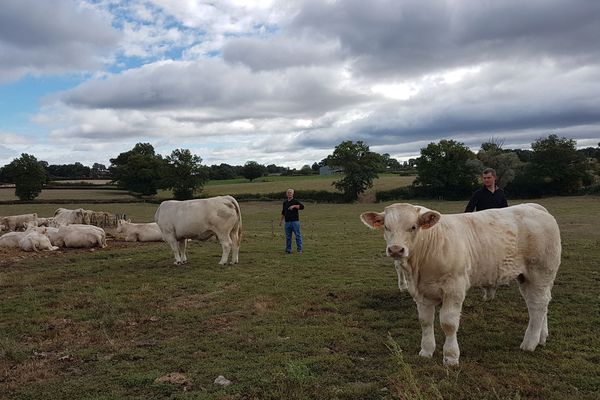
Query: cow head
401	225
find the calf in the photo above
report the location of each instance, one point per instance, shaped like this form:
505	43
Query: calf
35	241
441	256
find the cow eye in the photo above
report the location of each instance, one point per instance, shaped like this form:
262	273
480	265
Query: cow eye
413	228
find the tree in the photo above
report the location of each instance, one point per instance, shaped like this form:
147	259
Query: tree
448	170
99	171
360	167
184	174
222	172
253	170
505	163
138	170
557	165
306	170
28	175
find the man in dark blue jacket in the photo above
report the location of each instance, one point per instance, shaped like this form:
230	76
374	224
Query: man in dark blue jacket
289	213
489	196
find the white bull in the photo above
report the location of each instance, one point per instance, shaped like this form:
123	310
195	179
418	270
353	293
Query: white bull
17	222
79	236
201	219
141	232
441	256
63	216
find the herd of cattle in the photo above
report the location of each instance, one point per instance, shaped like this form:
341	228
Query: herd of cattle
437	257
176	223
76	228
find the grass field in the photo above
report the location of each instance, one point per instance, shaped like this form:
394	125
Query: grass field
328	324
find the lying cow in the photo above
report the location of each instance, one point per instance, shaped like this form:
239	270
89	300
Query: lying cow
78	236
441	256
36	241
201	219
145	232
17	222
11	239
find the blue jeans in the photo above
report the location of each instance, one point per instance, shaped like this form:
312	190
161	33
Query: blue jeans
293	226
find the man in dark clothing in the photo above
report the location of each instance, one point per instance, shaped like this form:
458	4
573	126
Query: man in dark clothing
289	212
489	196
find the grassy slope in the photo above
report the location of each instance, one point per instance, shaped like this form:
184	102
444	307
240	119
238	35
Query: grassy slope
328	324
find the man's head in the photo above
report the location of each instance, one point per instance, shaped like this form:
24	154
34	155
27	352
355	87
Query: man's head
290	194
489	178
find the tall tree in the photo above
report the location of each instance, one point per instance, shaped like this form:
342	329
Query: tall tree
184	174
253	170
557	165
28	174
447	169
360	167
138	170
505	163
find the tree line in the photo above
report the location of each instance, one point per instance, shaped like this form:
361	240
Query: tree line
445	170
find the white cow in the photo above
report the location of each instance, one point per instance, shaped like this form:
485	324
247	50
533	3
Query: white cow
36	241
63	216
17	222
441	256
11	239
146	232
201	219
77	235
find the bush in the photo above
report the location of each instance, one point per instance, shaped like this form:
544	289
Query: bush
402	193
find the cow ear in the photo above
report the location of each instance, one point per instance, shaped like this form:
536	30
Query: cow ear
373	219
129	220
429	219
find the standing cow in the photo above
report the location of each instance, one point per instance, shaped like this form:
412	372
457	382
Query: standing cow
201	219
441	256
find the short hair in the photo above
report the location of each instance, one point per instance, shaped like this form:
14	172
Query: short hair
290	191
489	171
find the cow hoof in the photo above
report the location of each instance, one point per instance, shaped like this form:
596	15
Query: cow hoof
450	361
427	354
525	346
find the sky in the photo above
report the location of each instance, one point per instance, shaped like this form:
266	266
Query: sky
284	82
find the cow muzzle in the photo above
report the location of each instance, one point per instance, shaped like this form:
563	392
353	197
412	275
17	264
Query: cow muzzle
397	252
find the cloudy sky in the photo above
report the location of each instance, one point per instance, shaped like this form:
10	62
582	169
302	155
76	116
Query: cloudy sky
284	82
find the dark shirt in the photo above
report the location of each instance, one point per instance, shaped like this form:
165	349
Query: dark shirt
483	199
291	215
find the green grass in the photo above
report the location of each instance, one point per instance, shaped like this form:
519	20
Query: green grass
329	324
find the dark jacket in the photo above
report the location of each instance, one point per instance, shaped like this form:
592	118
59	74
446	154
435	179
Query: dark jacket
483	199
291	215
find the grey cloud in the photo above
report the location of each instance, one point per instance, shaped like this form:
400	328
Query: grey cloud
415	37
280	53
52	37
217	88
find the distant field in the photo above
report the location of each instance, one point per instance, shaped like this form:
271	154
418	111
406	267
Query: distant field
268	184
273	184
329	324
76	194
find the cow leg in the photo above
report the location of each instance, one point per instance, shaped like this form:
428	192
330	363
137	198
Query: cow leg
402	284
426	318
175	247
450	320
235	248
225	241
537	299
182	246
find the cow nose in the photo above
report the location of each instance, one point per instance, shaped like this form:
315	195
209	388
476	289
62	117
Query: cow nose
396	251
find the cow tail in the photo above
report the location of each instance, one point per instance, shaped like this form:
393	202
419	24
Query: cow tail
239	220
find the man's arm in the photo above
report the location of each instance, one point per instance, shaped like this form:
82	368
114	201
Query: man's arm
471	206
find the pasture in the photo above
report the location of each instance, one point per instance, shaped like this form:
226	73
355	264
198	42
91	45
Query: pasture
327	324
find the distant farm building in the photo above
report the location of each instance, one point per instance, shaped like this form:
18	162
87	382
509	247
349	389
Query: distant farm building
326	170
